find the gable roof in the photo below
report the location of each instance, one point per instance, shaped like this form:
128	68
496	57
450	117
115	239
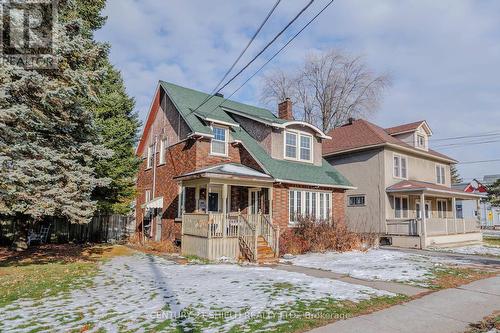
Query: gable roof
410	127
362	134
187	100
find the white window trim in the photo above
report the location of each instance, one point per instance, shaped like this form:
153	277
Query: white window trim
147	196
443	180
417	144
149	155
303	203
400	166
427	202
163	153
297	146
356	195
445	212
226	141
402	211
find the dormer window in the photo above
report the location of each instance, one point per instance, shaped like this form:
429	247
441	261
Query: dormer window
219	142
298	146
421	141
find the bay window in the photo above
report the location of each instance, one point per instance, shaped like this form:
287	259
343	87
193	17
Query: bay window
315	205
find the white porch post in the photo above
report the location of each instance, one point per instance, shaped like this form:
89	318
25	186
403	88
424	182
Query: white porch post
224	200
206	197
270	194
197	198
424	219
454	213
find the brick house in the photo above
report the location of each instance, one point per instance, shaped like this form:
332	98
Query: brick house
225	177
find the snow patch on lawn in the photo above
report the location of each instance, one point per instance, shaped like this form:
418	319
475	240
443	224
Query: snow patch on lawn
130	292
376	264
473	249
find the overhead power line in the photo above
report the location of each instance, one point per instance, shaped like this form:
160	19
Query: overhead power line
240	55
275	54
461	144
483	161
267	45
487	134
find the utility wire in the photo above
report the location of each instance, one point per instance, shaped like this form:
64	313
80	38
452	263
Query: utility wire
240	55
460	144
275	54
268	44
483	161
492	133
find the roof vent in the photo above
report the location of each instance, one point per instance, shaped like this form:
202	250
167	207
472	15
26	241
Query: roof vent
351	120
218	94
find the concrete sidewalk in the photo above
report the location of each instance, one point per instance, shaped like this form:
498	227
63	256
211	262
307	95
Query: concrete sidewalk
445	311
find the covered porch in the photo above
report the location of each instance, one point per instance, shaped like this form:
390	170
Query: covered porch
423	214
226	212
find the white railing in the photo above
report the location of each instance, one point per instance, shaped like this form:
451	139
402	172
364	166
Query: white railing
403	227
248	238
450	226
218	228
269	232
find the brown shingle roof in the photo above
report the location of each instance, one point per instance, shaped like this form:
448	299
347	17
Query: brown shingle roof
413	185
363	134
404	128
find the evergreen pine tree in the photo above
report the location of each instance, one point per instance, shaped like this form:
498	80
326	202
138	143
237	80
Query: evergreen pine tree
494	193
49	142
455	176
117	123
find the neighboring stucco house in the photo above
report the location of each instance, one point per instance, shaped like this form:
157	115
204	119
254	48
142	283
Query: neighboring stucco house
488	214
404	191
225	177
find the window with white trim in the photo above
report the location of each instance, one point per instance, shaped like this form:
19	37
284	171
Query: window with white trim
219	141
356	200
442	208
150	157
309	204
400	166
298	146
421	141
290	145
163	150
440	174
401	207
147	196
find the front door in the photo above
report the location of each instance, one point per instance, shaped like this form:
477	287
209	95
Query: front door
427	209
254	201
214	197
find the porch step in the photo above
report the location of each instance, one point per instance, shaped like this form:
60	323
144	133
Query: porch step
265	254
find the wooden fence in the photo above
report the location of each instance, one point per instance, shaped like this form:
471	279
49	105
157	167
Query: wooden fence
101	229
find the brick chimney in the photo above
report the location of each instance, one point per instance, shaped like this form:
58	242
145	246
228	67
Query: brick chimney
285	109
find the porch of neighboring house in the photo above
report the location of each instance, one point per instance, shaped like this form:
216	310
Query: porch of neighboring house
424	218
227	213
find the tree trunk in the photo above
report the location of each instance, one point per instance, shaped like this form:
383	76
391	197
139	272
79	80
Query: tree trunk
21	235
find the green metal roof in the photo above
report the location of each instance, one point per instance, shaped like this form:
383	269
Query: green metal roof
187	100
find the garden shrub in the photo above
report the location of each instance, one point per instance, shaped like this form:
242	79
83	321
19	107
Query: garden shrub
319	236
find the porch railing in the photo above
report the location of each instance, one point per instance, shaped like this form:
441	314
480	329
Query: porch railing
245	228
270	232
410	227
447	226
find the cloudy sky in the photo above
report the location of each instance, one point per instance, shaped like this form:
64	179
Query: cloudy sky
443	56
